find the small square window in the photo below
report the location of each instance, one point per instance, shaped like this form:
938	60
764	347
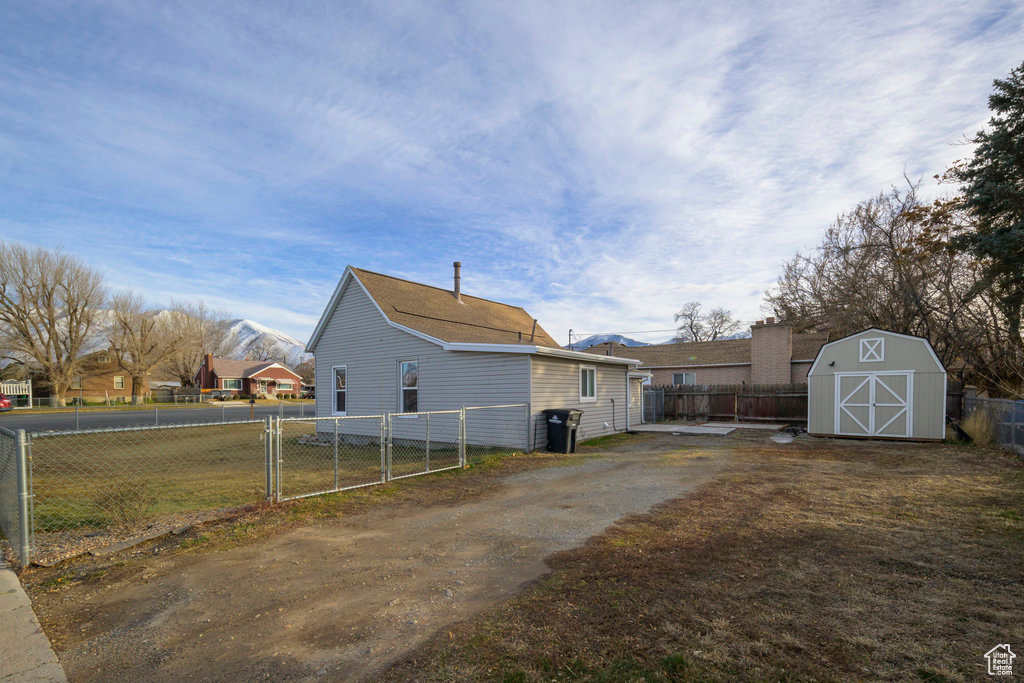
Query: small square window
872	350
119	381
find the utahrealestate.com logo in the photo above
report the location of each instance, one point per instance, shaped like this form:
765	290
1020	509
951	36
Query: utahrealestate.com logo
1000	660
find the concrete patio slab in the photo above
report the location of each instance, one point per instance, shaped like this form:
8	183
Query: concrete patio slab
686	429
745	425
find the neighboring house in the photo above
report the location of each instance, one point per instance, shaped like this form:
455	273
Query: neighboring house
388	345
229	377
101	378
772	354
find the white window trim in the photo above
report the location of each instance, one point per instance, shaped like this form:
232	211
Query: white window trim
874	353
119	377
579	383
231	379
402	388
334	391
287	385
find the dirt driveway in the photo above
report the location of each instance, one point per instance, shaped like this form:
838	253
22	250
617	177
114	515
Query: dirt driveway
345	597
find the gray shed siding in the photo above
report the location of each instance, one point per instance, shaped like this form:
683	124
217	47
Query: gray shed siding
902	354
555	384
357	336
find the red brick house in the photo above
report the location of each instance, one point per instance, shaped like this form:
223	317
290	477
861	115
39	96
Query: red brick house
772	354
225	376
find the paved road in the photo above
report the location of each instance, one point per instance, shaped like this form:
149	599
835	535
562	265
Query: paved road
92	418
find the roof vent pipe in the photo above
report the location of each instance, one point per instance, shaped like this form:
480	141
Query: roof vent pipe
458	281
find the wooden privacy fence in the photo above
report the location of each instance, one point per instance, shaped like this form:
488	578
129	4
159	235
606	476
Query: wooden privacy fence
745	402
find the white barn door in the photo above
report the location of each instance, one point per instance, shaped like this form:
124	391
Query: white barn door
874	404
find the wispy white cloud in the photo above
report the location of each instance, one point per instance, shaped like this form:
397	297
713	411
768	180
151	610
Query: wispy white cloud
598	163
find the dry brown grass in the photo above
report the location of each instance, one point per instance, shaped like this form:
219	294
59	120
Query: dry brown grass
819	560
981	427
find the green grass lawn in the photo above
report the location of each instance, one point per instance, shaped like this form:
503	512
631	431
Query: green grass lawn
133	477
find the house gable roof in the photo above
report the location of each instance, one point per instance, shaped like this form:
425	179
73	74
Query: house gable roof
434	314
243	369
437	313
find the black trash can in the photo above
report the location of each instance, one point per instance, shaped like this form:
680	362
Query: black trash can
562	426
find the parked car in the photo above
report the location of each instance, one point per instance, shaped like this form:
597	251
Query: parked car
309	392
5	404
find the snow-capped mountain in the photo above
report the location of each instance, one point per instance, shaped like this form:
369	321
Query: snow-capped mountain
249	333
602	338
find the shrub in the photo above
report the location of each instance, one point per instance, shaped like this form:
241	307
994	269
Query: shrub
981	427
125	503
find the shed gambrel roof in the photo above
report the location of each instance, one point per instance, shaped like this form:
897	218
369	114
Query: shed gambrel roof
877	330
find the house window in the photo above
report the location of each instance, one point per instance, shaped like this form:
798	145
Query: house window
588	383
872	350
231	384
408	377
340	389
285	386
103	359
76	382
119	381
684	378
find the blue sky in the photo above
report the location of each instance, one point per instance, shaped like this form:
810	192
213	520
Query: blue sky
597	163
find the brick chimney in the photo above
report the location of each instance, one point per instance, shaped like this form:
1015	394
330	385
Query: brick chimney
771	350
205	381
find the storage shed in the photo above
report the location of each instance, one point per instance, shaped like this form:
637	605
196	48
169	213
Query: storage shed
877	384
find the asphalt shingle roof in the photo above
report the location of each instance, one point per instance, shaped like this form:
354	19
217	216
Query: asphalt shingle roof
719	352
436	313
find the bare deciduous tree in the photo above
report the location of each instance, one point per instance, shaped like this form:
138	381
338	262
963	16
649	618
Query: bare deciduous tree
201	331
139	339
263	348
50	307
306	371
698	326
889	263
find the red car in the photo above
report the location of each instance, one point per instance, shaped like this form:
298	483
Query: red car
5	403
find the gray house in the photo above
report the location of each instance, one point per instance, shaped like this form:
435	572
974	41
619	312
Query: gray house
388	345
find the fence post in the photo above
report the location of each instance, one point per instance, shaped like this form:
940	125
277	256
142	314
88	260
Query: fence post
268	435
462	436
76	418
336	421
302	408
21	453
280	409
529	414
383	445
428	443
280	459
156	415
222	413
386	474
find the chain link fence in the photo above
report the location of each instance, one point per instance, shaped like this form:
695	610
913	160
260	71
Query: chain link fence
1007	418
67	492
327	454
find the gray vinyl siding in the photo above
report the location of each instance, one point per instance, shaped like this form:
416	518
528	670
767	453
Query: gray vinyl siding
928	402
636	402
555	384
357	336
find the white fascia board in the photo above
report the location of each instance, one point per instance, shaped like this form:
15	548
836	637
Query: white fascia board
332	304
635	374
688	367
589	357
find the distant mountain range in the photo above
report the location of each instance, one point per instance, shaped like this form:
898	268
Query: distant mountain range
249	331
602	338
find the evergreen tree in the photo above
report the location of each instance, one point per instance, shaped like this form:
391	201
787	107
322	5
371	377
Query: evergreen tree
993	187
